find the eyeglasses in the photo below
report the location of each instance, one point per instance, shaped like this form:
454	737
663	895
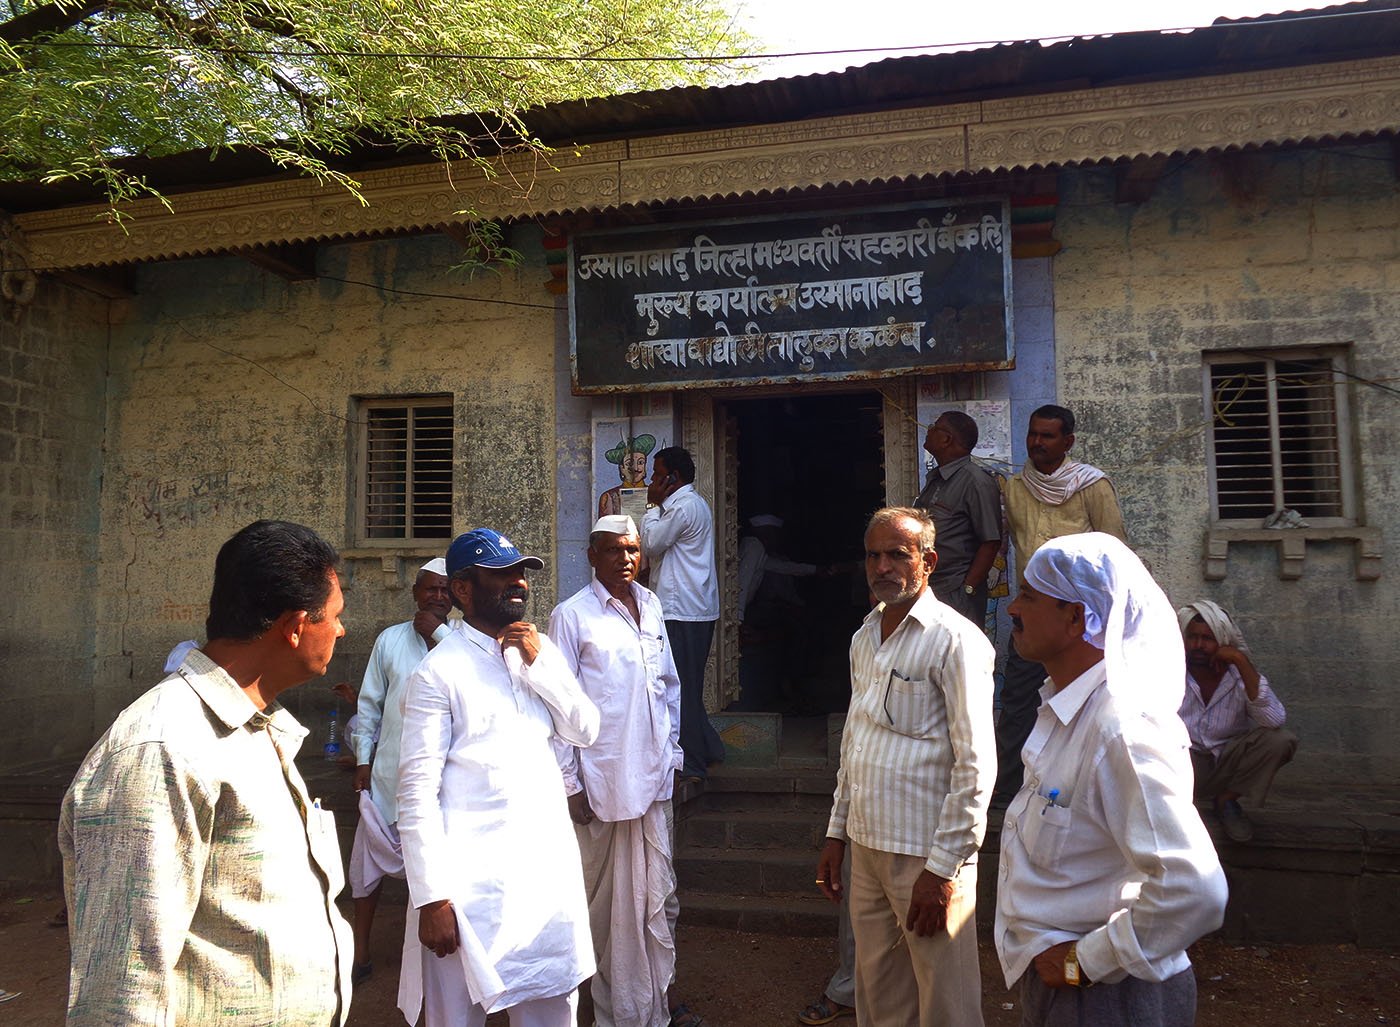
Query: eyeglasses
889	685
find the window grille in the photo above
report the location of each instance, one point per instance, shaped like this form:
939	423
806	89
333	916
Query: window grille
406	469
1278	436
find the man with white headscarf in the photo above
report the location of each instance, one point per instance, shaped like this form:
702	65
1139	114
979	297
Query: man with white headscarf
1235	720
376	852
613	637
1107	873
1052	496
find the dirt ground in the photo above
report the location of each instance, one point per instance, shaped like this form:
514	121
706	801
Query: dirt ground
756	980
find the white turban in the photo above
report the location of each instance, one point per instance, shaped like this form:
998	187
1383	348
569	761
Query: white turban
1221	624
437	565
1126	614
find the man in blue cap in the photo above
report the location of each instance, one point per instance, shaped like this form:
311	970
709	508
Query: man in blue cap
495	886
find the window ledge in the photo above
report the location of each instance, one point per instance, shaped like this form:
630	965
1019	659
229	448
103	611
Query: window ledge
1292	547
393	555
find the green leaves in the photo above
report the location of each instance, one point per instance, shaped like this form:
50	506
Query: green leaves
85	83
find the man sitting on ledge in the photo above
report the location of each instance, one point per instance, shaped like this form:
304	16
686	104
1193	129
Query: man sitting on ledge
1235	721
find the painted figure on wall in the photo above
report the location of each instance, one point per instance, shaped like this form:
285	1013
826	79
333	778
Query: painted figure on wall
630	457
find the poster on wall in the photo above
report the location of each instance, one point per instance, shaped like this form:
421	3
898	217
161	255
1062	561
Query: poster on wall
852	294
623	443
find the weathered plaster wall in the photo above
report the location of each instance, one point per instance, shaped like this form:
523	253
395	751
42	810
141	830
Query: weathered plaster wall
1249	251
575	506
230	397
53	366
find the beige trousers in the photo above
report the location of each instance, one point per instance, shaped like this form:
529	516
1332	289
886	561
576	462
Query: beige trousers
903	980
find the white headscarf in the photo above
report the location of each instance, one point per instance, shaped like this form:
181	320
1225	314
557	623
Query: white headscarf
1126	614
1221	624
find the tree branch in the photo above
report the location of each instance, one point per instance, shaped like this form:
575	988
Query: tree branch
48	19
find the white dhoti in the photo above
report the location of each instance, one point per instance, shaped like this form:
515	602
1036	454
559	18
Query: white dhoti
630	883
375	853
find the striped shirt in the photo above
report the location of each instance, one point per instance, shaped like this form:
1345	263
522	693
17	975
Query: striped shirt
1229	714
918	755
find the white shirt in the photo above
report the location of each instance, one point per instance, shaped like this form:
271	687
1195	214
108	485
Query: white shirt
483	819
678	539
1119	861
378	716
918	756
1230	713
629	673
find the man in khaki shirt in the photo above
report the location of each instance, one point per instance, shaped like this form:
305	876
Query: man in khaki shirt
200	875
1052	496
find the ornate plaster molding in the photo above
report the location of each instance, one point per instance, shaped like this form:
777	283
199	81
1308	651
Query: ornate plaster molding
1249	109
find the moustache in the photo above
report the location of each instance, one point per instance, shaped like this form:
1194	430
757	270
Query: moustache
1016	624
515	592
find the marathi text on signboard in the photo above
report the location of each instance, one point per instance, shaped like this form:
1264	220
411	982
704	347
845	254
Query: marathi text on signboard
842	295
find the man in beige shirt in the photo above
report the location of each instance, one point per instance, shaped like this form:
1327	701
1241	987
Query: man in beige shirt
1052	496
912	789
199	874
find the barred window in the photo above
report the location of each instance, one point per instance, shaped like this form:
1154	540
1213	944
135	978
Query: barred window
1279	436
405	468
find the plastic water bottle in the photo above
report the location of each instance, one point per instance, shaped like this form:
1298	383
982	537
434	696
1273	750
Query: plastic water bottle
332	746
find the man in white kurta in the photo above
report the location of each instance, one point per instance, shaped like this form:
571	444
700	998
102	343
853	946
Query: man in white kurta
376	852
613	637
497	916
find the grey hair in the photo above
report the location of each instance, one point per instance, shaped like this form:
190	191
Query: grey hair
890	514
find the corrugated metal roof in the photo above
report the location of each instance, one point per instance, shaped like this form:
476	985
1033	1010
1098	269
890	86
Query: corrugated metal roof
1345	32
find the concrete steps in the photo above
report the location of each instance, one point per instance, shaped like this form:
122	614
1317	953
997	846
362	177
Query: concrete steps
772	915
746	851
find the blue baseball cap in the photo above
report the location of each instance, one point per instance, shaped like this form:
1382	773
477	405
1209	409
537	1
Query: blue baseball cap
486	548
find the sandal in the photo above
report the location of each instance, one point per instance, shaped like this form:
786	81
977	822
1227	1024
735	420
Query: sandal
684	1016
824	1011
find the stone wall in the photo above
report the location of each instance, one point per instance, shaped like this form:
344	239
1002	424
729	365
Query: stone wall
1247	252
231	399
53	368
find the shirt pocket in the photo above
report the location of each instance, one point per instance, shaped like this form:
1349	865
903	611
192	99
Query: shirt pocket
1044	830
652	645
910	707
325	846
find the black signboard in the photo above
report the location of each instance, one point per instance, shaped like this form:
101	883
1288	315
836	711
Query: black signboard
849	294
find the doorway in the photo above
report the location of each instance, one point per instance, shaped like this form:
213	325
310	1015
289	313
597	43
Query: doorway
811	469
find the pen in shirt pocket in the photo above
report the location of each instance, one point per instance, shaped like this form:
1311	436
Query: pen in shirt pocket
1050	798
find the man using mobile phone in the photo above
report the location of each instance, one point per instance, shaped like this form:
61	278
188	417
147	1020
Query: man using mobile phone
678	539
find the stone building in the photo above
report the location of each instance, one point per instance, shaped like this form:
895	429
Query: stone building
1203	233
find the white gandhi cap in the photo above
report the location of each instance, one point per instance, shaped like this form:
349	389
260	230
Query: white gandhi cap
618	524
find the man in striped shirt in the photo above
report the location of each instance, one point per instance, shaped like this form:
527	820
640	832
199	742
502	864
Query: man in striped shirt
918	758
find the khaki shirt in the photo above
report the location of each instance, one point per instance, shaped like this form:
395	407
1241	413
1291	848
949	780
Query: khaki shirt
200	876
1034	523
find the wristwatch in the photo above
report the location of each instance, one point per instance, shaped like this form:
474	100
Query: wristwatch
1073	977
969	589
